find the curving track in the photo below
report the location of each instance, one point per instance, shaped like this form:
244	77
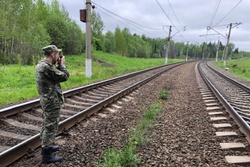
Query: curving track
226	99
20	124
83	102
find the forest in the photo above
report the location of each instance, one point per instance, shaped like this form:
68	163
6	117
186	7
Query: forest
28	25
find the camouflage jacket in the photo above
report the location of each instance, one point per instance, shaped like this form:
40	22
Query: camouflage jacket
48	79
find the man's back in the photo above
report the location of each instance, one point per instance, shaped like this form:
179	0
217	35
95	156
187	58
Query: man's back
48	79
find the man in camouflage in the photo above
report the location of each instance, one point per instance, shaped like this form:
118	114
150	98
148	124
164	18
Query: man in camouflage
50	71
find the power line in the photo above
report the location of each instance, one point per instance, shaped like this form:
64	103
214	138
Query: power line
216	9
167	16
134	24
228	13
176	18
174	12
133	27
127	19
112	17
165	13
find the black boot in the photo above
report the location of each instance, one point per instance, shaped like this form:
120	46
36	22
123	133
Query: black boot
47	156
55	148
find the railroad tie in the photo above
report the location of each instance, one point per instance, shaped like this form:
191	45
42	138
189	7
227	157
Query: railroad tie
116	106
79	98
238	159
111	110
222	134
93	97
74	106
68	111
213	108
232	146
210	101
208	98
74	103
29	116
125	99
98	94
222	125
212	104
119	102
218	118
216	113
13	135
23	125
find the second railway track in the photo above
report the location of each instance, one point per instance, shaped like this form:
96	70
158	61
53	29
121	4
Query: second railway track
227	100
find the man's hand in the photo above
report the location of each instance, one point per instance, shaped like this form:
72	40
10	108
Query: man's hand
60	62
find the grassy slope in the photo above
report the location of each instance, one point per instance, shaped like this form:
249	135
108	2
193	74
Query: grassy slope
239	68
18	82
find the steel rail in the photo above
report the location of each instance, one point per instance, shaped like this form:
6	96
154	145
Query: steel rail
14	153
244	127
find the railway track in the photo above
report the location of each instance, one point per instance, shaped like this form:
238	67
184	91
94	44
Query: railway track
219	97
21	123
227	99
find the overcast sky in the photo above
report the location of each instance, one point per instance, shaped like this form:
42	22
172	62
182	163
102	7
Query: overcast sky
154	17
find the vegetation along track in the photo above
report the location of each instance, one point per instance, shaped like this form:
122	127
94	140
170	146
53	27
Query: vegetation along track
227	100
20	124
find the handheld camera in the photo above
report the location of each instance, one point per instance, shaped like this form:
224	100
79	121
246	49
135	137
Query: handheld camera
61	53
60	56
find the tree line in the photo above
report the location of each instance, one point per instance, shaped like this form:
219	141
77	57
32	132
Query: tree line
28	25
133	45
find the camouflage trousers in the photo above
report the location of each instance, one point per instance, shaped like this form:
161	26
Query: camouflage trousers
50	126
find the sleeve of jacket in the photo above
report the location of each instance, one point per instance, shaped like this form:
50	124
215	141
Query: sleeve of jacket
60	74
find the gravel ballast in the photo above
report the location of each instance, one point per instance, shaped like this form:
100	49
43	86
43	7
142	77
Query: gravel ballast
181	136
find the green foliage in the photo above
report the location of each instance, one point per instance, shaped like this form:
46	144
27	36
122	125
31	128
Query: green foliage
121	45
127	156
109	42
15	81
96	29
120	158
239	68
27	26
97	24
163	95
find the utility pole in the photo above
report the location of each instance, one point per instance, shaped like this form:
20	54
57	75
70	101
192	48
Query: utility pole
217	51
187	51
88	61
223	54
241	55
168	45
228	38
203	54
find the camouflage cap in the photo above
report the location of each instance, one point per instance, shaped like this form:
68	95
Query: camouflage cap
51	48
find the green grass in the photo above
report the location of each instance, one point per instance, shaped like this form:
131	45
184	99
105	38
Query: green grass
127	156
239	68
163	95
18	82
